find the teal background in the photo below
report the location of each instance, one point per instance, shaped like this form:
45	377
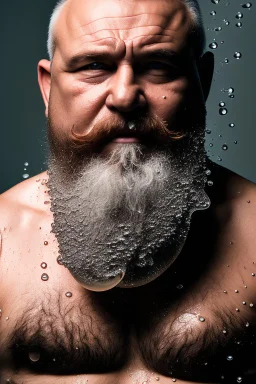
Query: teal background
24	33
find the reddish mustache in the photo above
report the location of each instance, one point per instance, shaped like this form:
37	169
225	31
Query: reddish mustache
150	130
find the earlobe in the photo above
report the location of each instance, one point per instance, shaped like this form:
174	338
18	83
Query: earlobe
44	80
205	69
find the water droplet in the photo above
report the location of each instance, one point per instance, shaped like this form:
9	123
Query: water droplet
223	111
208	172
34	356
231	125
131	125
226	61
222	104
239	15
237	309
217	29
231	96
202	319
229	358
219	158
224	291
239	24
43	265
251	305
237	55
26	164
239	379
208	131
157	378
247	324
211	145
46	243
213	45
236	291
45	277
180	286
210	183
226	22
25	176
215	1
244	302
68	294
174	380
224	147
231	90
59	260
253	274
7	318
247	5
212	13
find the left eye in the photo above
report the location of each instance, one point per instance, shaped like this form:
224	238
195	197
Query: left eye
157	65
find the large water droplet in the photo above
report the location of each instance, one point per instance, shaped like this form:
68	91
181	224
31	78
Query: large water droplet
45	277
231	90
43	265
229	358
26	164
213	45
237	55
232	125
68	294
247	5
222	104
239	24
223	111
239	15
224	147
25	176
34	356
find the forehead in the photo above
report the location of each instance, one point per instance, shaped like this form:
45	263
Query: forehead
140	23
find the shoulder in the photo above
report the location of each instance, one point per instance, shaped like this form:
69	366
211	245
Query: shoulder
24	200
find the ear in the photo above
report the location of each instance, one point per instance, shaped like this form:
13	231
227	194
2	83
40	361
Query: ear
44	80
205	70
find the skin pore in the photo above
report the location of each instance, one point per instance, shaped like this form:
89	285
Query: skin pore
138	334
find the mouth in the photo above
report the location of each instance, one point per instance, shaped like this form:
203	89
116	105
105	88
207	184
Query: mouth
126	140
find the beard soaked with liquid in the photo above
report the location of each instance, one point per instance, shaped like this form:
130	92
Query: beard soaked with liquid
124	217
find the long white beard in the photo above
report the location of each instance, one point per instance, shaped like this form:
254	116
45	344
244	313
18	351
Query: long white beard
126	217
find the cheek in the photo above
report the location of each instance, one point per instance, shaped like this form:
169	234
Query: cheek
168	99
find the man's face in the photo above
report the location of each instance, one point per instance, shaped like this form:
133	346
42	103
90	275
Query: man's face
123	84
121	58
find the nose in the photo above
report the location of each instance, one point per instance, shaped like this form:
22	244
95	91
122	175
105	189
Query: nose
125	95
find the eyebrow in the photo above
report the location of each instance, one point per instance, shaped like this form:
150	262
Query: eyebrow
166	54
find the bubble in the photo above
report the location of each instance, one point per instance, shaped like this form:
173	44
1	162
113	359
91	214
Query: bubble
34	356
25	176
226	61
212	13
43	265
59	260
215	1
239	24
26	164
213	45
239	15
231	125
235	142
239	379
247	5
45	277
217	29
223	111
68	294
237	55
229	358
222	104
210	183
231	90
224	147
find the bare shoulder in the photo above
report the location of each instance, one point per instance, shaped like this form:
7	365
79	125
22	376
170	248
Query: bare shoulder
27	198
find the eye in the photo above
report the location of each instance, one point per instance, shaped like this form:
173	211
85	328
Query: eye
158	65
96	66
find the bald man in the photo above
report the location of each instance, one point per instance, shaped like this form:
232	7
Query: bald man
124	264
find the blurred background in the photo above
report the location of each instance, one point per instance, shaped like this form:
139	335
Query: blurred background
230	135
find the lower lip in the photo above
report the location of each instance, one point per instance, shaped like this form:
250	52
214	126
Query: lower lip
125	140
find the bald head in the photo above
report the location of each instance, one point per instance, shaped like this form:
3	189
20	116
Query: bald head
197	30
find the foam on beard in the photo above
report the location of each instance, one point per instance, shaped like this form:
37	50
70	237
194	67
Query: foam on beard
124	219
